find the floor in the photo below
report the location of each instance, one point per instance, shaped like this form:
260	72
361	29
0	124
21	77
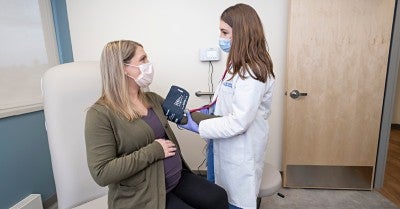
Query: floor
322	199
327	199
344	199
391	184
386	198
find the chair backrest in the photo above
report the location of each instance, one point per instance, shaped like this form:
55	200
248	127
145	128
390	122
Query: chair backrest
68	91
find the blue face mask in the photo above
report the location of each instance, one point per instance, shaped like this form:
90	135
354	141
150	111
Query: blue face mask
225	44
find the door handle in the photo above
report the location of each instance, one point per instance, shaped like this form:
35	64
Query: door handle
294	94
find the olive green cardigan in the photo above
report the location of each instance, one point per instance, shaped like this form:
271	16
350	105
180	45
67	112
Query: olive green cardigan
123	155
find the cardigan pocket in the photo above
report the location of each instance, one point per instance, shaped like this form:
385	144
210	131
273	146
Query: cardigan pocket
134	181
131	193
131	197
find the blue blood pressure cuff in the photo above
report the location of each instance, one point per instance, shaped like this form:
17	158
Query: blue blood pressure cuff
175	104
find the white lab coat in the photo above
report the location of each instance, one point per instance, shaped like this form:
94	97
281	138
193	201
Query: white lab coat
240	136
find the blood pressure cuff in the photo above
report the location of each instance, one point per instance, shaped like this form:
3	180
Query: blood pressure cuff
175	104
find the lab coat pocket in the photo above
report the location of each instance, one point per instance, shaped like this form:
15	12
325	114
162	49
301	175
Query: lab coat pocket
225	96
232	151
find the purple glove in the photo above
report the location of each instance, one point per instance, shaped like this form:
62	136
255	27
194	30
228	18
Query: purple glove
190	125
204	111
207	109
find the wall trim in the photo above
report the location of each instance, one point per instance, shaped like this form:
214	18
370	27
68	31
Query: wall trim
63	36
388	102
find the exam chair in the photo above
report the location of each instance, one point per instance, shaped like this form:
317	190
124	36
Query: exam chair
271	182
68	91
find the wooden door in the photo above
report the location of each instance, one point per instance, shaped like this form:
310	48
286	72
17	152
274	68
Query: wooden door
337	54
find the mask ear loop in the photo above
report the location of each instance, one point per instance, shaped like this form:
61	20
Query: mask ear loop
130	76
131	66
120	58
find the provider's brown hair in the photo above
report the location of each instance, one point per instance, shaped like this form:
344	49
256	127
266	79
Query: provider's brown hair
249	51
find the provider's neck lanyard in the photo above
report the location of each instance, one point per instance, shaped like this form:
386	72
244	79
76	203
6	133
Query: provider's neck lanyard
215	100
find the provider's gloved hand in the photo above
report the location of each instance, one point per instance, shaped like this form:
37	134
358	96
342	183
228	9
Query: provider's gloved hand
204	111
190	125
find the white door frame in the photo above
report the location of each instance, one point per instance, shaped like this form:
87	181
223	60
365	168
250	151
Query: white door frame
388	102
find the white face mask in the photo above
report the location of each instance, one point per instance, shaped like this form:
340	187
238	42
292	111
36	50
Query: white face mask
146	74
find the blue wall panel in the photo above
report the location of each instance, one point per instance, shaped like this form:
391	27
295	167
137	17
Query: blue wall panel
25	165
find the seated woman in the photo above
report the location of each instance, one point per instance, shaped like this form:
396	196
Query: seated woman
130	145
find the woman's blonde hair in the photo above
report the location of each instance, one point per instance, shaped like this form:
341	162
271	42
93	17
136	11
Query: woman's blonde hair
115	91
249	46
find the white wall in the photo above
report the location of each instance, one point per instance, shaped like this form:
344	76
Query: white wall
172	32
